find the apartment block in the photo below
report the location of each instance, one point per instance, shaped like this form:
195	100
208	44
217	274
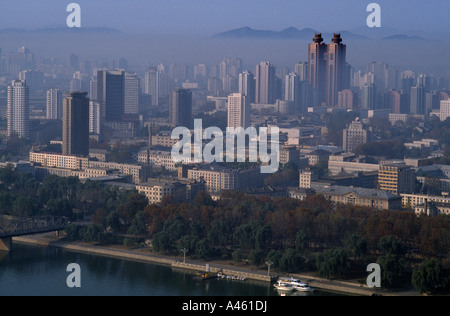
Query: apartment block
396	179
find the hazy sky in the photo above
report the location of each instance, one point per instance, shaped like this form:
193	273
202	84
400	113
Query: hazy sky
211	16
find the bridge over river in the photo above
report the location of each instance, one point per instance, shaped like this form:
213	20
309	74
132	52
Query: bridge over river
11	226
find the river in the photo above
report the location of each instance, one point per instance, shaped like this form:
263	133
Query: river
30	270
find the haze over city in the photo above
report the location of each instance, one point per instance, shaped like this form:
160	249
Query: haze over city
183	31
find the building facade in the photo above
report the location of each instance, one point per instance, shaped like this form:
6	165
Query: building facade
238	111
76	124
180	108
18	109
396	179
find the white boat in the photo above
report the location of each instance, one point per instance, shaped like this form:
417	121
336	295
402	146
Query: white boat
296	284
283	286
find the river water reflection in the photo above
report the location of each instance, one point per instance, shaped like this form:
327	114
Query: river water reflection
41	271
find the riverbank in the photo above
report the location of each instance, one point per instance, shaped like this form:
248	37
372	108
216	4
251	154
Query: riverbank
143	255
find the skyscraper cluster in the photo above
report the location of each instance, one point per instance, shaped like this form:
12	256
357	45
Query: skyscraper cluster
328	72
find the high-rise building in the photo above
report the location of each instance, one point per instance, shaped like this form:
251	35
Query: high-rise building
417	101
301	69
18	110
291	86
238	111
317	69
338	78
132	85
180	108
111	94
76	124
266	85
393	101
379	71
445	109
247	85
346	99
396	179
54	104
369	97
353	136
94	117
151	85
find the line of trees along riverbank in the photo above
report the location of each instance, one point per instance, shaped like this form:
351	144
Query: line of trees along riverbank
297	236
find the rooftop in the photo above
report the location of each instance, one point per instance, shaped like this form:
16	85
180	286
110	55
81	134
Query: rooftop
362	192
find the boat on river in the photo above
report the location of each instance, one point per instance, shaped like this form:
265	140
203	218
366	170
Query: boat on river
202	276
296	284
283	286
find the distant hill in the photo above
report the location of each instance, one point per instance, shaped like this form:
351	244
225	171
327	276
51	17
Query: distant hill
402	37
288	33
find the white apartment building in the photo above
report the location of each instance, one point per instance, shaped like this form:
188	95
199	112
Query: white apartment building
18	110
238	111
444	112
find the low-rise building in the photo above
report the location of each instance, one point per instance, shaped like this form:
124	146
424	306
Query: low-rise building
156	189
221	179
373	198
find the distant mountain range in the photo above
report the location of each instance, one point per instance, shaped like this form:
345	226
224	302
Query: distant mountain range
304	34
288	33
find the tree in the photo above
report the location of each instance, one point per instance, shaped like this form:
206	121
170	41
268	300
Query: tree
218	233
391	245
257	257
139	225
357	245
93	233
113	221
333	263
394	271
301	241
291	261
203	250
429	276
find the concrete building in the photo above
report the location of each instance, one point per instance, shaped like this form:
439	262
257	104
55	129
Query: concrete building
180	108
289	154
340	167
338	78
18	109
59	161
317	69
239	111
377	199
132	90
156	189
75	124
247	85
111	94
306	177
396	179
444	109
54	104
265	91
354	135
218	179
